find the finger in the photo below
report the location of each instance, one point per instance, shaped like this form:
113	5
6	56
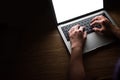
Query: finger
77	26
85	34
95	22
97	18
82	28
71	29
94	19
98	29
74	28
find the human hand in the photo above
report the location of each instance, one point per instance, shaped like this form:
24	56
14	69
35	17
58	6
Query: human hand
77	36
103	22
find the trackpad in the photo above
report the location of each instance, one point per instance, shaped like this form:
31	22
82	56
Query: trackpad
95	40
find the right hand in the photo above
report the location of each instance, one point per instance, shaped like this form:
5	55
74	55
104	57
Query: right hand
103	22
77	36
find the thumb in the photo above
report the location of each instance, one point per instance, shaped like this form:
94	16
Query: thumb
96	29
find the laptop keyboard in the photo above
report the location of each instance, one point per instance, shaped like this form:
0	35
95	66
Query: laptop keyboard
84	22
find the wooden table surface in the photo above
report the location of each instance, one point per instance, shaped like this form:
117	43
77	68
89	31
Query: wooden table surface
37	52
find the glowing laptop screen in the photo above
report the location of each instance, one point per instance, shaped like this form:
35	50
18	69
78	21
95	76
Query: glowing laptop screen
68	9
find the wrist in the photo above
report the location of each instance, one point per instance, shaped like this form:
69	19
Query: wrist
112	28
76	46
116	31
76	53
77	49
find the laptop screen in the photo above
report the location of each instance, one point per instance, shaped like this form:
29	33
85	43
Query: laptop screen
69	9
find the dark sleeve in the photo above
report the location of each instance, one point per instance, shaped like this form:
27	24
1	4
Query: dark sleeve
116	75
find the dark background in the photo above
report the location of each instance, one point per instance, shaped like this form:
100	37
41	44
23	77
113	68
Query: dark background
111	5
22	24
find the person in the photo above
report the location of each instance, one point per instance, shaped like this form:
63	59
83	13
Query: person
78	36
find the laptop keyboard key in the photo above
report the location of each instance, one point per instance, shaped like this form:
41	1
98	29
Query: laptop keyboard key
85	22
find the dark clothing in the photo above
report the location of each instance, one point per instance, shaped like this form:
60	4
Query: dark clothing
116	75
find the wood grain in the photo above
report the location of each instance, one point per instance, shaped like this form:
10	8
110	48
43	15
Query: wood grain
36	51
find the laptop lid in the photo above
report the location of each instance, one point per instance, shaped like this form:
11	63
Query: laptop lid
69	9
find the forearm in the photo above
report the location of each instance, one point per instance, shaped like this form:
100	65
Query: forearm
116	31
76	65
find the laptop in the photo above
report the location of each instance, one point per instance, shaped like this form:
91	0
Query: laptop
71	12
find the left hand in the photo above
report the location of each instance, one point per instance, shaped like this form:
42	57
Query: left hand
77	36
103	22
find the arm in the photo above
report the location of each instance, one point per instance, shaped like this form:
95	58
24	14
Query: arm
106	26
115	30
76	65
77	39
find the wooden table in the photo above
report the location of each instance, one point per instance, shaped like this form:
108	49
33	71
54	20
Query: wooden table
46	57
40	54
